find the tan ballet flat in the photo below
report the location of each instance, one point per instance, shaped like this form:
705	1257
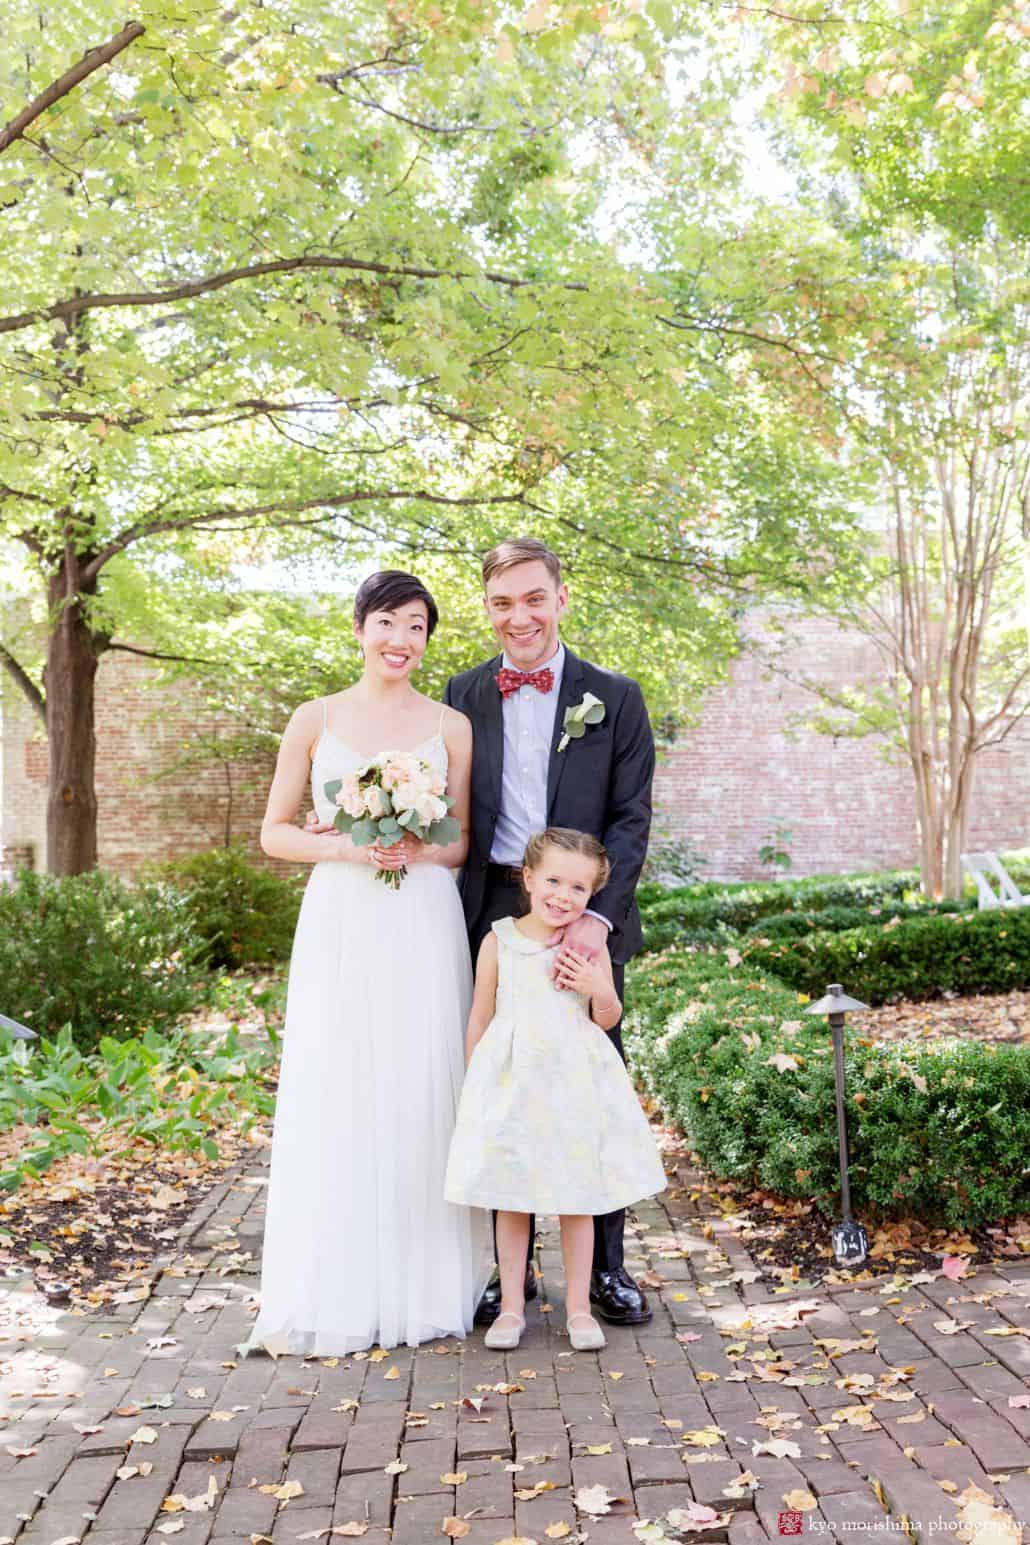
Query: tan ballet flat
585	1333
505	1338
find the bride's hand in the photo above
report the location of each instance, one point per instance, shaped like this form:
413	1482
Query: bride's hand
400	856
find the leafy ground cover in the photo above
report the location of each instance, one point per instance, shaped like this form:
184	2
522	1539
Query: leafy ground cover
104	1153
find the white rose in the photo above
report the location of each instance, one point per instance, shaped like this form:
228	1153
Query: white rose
405	796
376	802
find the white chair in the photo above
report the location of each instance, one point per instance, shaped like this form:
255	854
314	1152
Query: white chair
985	867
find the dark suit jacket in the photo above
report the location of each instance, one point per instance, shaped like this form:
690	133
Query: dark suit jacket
600	784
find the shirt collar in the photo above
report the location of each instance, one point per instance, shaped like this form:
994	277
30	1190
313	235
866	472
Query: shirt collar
556	663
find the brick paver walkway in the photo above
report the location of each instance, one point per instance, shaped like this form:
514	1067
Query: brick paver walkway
665	1416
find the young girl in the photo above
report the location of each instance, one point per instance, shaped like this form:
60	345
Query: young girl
548	1120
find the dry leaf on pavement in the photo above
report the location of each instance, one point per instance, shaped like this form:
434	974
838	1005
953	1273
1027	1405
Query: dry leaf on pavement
694	1517
595	1500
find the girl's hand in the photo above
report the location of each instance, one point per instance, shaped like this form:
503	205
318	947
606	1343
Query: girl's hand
575	973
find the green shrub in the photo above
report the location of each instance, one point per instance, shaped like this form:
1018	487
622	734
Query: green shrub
795	925
698	913
246	915
90	952
917	957
939	1132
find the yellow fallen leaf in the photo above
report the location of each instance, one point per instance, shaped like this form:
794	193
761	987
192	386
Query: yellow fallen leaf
559	1530
529	1492
284	1491
947	1485
144	1435
800	1501
395	1467
351	1531
378	1355
616	1376
392	1373
917	1416
454	1478
704	1437
456	1528
203	1503
221	1416
591	1448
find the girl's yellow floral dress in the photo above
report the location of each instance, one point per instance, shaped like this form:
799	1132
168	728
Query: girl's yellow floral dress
548	1120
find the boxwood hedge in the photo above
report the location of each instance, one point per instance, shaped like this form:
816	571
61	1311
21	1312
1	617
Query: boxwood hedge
940	1132
914	957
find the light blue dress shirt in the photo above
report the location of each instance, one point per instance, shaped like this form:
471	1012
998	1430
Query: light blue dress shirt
528	719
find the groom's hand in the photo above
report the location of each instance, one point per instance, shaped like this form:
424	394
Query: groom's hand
313	824
587	937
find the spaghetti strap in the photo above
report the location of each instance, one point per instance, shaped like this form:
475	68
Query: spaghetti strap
439	727
325	714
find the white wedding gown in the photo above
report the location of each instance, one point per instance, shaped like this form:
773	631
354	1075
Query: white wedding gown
360	1246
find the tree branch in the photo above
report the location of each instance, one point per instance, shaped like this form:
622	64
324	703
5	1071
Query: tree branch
19	674
283	508
76	305
92	60
156	654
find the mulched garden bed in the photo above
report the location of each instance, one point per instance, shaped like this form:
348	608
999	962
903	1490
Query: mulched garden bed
90	1225
998	1017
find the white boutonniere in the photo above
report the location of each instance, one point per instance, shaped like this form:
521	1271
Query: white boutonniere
589	711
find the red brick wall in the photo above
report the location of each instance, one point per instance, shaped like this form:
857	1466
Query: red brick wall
736	775
724	786
149	805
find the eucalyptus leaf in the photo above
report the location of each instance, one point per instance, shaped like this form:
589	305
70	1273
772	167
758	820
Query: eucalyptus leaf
444	832
364	832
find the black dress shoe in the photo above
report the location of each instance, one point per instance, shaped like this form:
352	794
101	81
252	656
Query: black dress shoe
489	1306
617	1298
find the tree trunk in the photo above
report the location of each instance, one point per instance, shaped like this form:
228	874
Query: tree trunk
71	668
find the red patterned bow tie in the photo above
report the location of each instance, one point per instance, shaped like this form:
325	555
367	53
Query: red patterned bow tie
509	681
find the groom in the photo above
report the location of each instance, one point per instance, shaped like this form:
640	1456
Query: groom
521	782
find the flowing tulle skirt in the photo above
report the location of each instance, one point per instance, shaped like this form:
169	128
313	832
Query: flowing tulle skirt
360	1245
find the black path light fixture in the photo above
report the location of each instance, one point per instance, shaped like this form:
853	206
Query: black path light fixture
16	1031
850	1243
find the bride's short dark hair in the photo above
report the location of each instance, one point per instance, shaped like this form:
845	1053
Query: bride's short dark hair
390	589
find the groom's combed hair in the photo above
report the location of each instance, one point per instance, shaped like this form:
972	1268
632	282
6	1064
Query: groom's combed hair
520	549
390	589
569	841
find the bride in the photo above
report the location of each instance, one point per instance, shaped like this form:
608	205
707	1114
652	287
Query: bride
360	1246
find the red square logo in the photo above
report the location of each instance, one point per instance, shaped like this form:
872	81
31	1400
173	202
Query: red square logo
791	1523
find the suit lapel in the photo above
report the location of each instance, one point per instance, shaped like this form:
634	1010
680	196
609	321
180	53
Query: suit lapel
489	730
571	692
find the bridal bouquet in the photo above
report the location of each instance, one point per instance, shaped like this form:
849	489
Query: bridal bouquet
393	795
